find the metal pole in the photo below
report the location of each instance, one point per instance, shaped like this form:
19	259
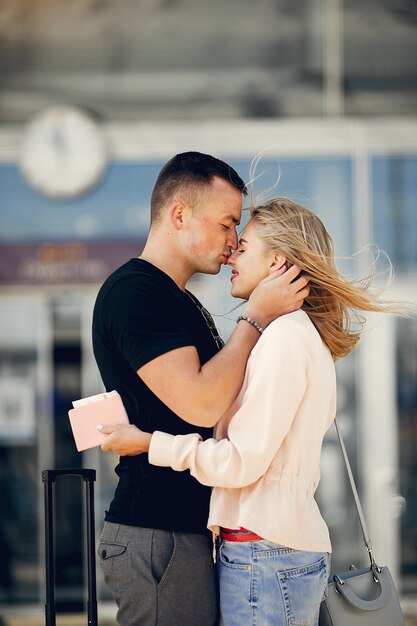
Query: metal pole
91	555
50	613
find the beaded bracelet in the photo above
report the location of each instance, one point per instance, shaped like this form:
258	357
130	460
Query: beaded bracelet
259	328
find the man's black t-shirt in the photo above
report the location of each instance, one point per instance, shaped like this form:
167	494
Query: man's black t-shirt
140	314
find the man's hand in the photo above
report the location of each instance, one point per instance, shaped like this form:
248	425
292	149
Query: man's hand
125	439
279	293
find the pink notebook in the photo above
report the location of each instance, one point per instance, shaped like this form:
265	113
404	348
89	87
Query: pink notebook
88	413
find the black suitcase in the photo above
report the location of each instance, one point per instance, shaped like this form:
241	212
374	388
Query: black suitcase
48	478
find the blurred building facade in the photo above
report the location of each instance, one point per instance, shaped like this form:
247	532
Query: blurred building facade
327	93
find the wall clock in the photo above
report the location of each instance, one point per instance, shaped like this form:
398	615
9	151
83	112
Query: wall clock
63	152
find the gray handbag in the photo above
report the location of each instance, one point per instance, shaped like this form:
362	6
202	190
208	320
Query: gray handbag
360	597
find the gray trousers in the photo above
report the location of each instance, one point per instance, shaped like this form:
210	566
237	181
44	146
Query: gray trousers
159	577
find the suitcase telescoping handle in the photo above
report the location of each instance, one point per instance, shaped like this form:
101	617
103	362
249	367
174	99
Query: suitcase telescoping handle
48	478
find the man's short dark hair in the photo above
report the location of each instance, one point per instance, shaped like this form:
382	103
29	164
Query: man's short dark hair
190	172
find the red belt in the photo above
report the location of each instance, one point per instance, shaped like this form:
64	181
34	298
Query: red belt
241	534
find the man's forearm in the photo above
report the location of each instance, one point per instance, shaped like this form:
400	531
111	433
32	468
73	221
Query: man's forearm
200	394
220	379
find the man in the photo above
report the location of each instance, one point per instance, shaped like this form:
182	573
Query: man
156	345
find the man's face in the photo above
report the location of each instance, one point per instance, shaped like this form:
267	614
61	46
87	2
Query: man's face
211	232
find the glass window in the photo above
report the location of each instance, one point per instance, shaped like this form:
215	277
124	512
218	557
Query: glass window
118	208
394	190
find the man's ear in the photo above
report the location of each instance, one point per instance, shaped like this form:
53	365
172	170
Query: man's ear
179	215
279	262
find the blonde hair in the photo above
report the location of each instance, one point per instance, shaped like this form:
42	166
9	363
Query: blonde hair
333	302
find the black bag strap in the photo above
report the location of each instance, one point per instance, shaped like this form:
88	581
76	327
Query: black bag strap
359	510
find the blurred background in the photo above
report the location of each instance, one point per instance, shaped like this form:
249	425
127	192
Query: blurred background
95	95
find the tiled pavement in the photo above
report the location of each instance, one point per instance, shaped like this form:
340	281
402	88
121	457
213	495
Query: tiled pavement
80	620
106	618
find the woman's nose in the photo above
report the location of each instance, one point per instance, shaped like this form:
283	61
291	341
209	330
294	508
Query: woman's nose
231	259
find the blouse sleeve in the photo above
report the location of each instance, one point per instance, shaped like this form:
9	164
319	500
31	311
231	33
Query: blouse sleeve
277	380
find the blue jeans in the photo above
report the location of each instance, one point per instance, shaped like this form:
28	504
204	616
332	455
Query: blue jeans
265	584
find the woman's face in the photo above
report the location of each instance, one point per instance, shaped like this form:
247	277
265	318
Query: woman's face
250	263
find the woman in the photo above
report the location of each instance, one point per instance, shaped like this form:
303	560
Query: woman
263	465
